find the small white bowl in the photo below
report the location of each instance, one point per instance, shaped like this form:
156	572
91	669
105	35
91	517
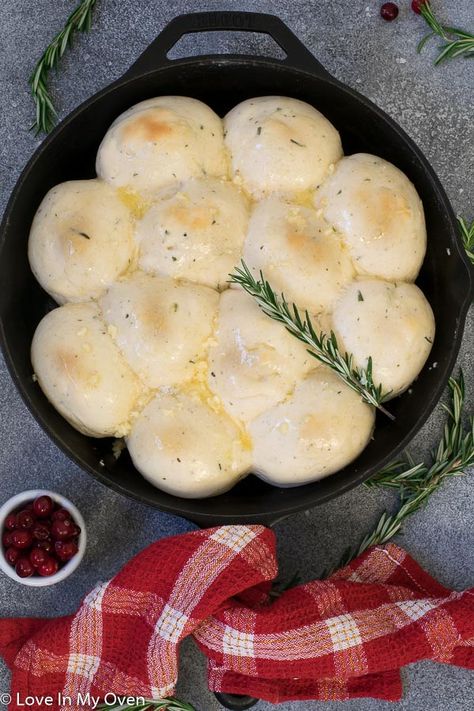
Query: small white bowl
27	497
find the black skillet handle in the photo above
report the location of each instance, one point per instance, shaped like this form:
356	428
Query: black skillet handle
155	55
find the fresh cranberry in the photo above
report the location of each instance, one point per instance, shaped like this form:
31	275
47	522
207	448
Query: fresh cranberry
25	519
38	556
45	546
7	539
41	532
49	567
389	11
65	550
12	555
21	539
43	506
416	5
24	568
10	522
60	515
63	530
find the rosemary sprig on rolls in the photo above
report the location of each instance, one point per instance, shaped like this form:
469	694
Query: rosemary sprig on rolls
322	346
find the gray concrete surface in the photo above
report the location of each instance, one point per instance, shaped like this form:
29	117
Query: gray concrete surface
435	106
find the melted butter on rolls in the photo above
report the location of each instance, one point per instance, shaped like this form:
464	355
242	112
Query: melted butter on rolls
162	141
253	361
298	254
319	429
393	323
184	447
195	232
379	214
81	240
160	325
279	144
82	372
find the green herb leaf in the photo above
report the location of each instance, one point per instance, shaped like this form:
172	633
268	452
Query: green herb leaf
456	42
322	346
297	143
417	482
467	234
78	21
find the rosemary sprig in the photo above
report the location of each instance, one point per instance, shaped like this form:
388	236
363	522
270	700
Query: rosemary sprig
321	346
78	21
417	482
457	42
171	704
467	234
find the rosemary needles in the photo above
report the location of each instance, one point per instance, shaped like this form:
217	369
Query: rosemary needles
457	43
322	346
467	234
417	482
78	21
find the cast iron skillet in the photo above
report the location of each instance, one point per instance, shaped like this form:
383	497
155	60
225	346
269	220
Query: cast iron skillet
223	81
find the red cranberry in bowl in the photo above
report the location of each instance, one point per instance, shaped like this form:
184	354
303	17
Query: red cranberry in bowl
21	539
49	567
47	546
25	519
10	522
38	556
43	538
41	532
63	530
7	539
12	555
65	550
24	568
60	515
43	506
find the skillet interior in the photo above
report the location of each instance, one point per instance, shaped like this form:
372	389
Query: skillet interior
222	82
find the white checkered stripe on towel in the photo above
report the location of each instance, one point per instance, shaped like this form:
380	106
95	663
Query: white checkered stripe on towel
344	632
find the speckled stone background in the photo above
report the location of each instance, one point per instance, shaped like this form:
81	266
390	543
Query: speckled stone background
436	107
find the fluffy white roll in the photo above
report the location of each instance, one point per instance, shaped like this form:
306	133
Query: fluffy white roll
186	448
82	372
319	429
162	141
81	240
379	214
278	144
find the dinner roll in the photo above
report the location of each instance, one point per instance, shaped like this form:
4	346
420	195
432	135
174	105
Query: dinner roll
196	232
253	362
162	141
81	240
160	325
82	372
393	323
298	254
379	214
278	144
186	448
319	429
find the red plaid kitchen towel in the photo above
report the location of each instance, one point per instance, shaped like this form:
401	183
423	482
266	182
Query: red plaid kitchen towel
340	638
